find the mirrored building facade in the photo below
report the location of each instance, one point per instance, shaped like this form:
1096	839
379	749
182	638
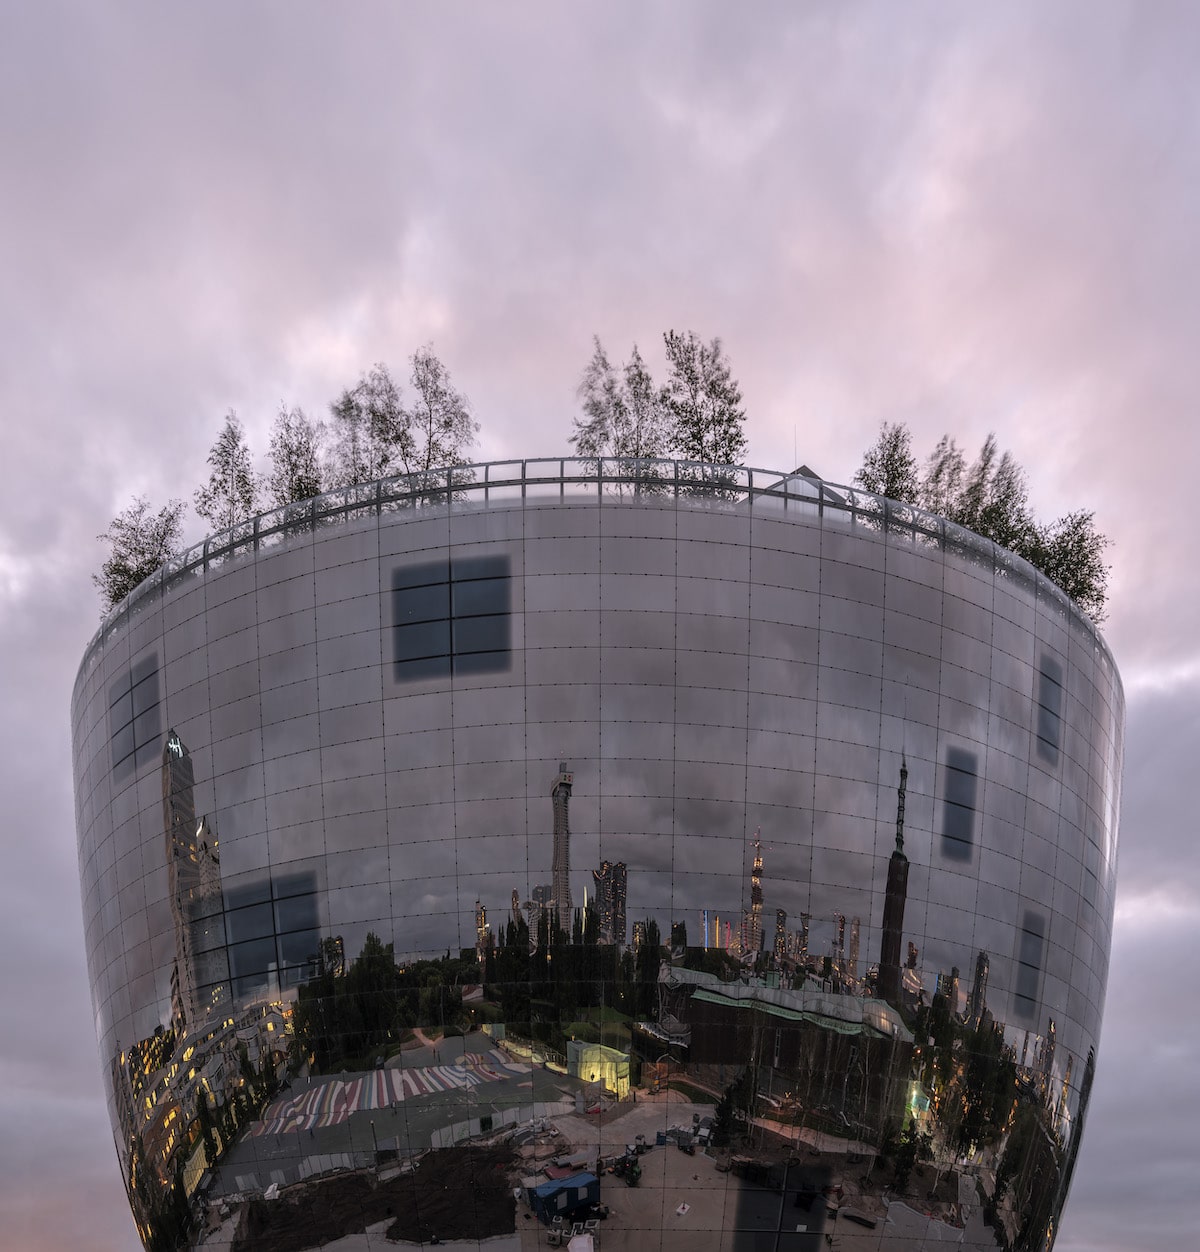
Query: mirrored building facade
639	851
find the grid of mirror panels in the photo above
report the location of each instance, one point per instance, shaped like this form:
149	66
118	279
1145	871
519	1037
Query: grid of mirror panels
829	880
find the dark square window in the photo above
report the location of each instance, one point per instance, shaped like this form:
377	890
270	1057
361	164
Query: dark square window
451	617
958	808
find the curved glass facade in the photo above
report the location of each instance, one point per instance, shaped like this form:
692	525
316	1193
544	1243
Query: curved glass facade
441	841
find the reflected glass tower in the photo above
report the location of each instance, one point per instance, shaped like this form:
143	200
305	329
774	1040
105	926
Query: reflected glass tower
610	883
311	760
200	974
561	868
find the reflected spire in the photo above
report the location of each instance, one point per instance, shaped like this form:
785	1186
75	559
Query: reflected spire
888	986
561	867
900	794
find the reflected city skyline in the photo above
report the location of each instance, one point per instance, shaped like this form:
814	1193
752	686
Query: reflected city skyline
445	824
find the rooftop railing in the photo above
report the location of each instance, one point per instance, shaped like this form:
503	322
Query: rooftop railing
796	496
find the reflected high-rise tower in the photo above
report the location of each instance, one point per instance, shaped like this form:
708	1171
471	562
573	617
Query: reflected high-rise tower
610	882
560	793
977	1003
893	905
199	980
754	944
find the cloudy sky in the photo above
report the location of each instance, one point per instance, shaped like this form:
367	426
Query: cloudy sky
970	218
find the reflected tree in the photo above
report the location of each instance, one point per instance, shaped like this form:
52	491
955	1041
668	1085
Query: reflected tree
913	1146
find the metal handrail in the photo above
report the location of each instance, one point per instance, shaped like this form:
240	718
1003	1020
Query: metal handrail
792	496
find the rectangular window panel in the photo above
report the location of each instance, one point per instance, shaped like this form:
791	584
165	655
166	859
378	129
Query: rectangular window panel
1049	710
301	884
145	694
424	604
481	634
451	617
299	948
421	640
1031	943
120	712
122	745
245	894
134	718
426	667
958	809
256	922
146	668
421	575
468	567
146	727
295	913
249	964
484	595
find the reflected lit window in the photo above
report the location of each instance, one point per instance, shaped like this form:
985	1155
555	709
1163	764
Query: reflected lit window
958	810
1049	709
451	617
134	716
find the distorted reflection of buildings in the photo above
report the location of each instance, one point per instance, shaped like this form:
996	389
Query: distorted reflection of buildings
809	1039
341	862
181	1093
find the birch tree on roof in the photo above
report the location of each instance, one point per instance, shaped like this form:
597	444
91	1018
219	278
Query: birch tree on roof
231	494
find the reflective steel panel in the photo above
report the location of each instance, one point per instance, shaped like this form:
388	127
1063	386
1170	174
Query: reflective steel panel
659	854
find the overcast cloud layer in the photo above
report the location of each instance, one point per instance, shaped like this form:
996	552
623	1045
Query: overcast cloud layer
966	219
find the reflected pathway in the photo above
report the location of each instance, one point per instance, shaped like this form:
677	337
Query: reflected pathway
332	1100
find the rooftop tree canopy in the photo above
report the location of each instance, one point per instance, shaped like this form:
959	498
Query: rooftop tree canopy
990	497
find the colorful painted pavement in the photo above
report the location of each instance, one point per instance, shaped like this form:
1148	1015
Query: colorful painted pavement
332	1101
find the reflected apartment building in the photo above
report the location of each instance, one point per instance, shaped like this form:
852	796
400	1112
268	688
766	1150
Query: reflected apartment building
424	819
